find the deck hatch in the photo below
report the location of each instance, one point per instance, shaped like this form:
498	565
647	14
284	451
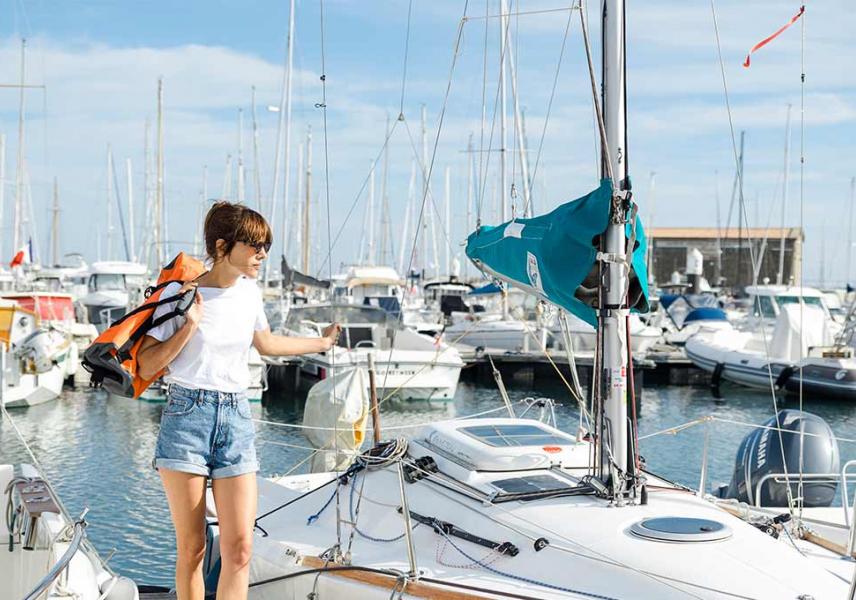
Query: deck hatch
681	529
509	435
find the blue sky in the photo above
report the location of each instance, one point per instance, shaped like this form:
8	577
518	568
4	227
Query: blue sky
101	60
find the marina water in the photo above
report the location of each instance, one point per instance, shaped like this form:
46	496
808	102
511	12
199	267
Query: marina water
97	450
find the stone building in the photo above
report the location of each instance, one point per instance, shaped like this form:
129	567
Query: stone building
668	253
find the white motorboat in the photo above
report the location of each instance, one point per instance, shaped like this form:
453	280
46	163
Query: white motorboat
765	303
799	353
409	366
35	359
113	286
49	556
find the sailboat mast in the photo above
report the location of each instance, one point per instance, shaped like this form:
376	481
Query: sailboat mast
241	155
448	211
2	186
781	271
471	167
849	230
613	314
740	208
19	171
503	175
284	123
370	246
384	199
55	225
129	181
159	190
257	178
109	203
306	228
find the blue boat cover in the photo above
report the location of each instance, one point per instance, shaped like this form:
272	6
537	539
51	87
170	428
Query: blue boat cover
552	255
490	288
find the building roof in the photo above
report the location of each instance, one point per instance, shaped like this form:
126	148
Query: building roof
696	233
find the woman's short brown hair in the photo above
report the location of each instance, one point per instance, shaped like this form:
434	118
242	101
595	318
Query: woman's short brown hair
233	223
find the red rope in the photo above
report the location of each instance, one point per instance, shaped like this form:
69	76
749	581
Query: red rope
767	40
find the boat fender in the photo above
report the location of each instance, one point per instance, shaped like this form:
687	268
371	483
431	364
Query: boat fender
784	377
643	495
715	378
541	543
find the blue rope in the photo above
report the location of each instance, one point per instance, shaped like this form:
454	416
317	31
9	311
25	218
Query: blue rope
314	517
520	577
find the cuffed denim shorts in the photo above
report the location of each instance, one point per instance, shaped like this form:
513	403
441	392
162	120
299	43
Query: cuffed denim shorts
206	432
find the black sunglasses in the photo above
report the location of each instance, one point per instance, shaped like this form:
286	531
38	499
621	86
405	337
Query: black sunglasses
258	246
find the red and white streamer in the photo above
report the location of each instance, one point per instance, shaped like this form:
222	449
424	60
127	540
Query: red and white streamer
767	40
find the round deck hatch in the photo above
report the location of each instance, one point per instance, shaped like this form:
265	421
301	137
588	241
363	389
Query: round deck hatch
681	529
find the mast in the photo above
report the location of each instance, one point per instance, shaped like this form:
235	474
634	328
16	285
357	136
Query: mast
159	190
653	200
385	232
19	170
370	247
518	124
408	209
781	271
109	203
295	232
448	211
503	176
55	225
241	155
613	314
227	178
849	229
307	201
146	249
427	211
283	123
257	180
740	209
717	277
471	166
129	180
2	187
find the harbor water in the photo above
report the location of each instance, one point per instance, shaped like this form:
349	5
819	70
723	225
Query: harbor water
97	450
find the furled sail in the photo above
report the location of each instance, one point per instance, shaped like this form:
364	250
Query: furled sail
554	256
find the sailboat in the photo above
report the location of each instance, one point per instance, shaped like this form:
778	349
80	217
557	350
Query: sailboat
513	507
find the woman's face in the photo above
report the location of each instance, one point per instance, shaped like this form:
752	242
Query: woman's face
247	258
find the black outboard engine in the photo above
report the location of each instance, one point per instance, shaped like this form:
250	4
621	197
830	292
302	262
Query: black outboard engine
761	454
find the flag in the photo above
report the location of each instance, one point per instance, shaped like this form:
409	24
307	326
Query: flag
21	257
767	40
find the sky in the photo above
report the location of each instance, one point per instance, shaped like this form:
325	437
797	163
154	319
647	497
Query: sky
100	62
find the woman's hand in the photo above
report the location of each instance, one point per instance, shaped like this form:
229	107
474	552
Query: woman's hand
194	313
331	333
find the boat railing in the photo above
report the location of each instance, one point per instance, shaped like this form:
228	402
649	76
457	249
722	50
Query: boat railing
78	535
796	479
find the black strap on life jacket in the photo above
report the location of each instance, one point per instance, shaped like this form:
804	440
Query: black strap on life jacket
124	353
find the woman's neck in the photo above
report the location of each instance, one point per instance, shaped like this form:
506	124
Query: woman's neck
221	275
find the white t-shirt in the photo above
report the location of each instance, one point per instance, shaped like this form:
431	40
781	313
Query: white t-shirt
216	356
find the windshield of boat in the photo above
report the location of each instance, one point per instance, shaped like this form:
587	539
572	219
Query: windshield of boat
763	307
808	300
335	313
105	282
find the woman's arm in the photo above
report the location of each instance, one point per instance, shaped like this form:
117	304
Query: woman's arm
155	355
270	344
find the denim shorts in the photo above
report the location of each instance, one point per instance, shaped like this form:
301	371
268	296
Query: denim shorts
206	432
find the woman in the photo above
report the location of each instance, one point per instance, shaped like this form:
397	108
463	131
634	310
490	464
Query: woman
206	430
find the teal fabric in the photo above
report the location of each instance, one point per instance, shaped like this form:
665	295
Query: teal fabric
551	255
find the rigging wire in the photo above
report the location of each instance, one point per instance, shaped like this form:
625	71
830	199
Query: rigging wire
752	257
552	95
404	66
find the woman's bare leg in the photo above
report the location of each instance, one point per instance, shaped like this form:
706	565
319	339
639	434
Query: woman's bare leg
236	499
185	493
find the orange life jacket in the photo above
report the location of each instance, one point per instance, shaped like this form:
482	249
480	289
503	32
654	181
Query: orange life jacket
112	357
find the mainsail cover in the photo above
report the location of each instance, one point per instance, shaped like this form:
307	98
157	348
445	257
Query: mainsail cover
554	256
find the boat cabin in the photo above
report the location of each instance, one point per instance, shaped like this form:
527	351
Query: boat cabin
766	301
504	459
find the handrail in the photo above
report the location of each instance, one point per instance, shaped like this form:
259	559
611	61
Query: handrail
51	576
790	478
845	500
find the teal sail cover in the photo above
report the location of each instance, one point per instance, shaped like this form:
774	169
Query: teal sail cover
552	256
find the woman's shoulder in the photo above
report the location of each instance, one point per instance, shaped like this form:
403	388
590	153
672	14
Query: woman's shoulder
250	286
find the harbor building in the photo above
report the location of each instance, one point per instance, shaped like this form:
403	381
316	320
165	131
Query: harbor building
727	258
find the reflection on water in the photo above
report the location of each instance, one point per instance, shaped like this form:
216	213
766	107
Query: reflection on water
97	450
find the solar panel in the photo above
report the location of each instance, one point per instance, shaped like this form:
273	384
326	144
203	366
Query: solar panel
529	484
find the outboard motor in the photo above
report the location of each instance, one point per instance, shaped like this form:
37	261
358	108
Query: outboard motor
761	454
